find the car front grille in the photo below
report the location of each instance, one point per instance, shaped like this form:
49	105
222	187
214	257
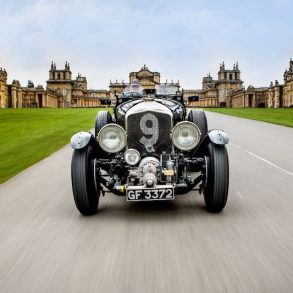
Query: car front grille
149	130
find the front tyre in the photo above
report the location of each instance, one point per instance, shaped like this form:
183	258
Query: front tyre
198	117
83	184
102	119
217	184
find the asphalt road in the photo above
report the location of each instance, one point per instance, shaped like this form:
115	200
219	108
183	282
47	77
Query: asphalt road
46	246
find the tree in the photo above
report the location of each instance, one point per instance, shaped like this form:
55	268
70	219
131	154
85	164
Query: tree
30	84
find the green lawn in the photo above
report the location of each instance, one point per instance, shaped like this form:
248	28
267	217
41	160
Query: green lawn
29	135
281	116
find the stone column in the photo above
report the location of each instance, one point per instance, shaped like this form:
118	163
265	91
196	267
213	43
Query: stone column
13	97
277	97
272	101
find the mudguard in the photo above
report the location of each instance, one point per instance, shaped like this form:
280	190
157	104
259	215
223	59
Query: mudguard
215	136
218	137
80	140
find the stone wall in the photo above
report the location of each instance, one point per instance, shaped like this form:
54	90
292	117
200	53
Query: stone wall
288	94
3	94
3	89
225	91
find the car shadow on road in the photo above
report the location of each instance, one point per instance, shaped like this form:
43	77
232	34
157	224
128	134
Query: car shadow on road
189	206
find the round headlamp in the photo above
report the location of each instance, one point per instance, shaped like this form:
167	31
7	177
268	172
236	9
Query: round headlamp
112	138
131	157
185	135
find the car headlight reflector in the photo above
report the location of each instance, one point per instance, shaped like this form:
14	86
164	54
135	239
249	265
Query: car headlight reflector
131	157
185	135
112	138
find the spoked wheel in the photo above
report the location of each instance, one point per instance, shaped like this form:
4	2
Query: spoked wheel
217	183
85	193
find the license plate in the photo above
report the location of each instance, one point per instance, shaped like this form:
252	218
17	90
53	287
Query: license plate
150	194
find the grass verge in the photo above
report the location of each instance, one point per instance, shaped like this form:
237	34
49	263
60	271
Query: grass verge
29	135
280	116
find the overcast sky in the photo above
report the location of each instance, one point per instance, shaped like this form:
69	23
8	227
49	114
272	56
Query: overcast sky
181	39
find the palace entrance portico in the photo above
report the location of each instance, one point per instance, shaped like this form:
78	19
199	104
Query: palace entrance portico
146	78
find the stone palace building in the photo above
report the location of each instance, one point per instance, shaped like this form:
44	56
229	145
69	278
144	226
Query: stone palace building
225	91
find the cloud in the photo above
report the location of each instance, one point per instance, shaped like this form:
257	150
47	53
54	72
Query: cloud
181	39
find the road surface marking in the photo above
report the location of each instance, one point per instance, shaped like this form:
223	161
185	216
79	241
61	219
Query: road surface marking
44	223
262	159
239	194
